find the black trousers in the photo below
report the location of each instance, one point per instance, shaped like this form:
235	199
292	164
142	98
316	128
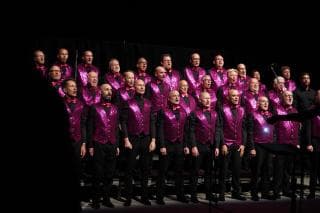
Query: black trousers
79	166
315	164
104	163
260	168
234	158
282	172
204	159
140	146
175	157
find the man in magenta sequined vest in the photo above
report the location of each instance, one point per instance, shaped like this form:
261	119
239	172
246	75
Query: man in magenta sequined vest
204	143
262	133
62	59
85	67
234	137
142	72
77	117
39	63
194	73
218	73
172	131
91	94
173	76
287	134
157	91
125	93
250	97
103	145
187	102
139	132
113	76
54	79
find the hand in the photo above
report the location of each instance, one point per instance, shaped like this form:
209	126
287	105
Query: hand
117	151
310	148
186	150
241	149
194	151
224	150
253	153
152	145
127	143
216	152
163	151
91	152
83	150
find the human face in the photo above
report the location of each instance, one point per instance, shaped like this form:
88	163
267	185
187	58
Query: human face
166	62
139	86
39	57
205	99
263	103
183	86
286	74
106	91
142	64
87	57
256	75
254	85
232	77
71	88
114	66
242	70
305	80
195	59
63	55
287	98
206	82
55	73
218	61
129	79
174	97
234	97
93	78
160	73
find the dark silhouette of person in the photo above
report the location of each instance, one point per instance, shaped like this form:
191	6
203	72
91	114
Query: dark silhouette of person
43	173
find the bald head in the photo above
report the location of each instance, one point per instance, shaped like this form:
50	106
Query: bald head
129	78
139	86
39	57
263	103
233	96
93	78
160	72
205	100
183	86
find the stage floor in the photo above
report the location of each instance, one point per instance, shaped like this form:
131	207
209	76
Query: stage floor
282	205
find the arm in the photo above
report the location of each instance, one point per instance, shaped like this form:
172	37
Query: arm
250	126
192	141
84	116
123	120
160	130
91	121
